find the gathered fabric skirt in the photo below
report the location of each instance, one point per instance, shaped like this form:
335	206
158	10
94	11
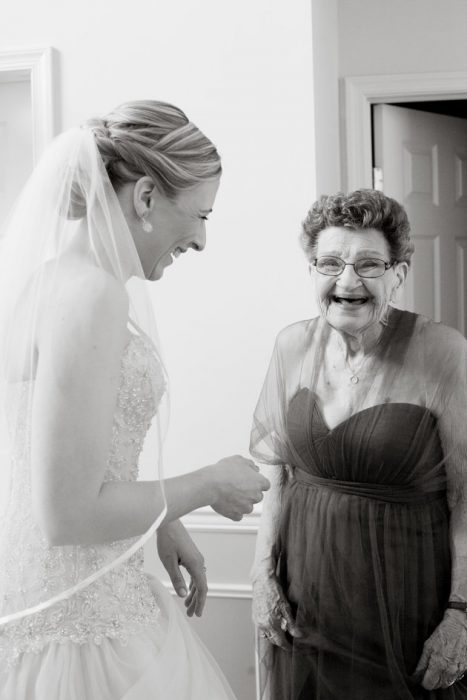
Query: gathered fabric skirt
165	663
368	582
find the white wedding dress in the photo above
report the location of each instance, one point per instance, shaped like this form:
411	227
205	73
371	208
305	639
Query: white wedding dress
121	638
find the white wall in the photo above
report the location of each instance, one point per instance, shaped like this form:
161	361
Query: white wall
326	95
219	311
402	36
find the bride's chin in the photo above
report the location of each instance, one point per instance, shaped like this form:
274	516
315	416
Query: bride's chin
156	274
158	269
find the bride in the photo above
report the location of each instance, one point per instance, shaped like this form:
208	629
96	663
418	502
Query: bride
83	385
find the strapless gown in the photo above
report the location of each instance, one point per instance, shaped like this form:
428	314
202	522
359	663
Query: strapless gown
121	638
364	555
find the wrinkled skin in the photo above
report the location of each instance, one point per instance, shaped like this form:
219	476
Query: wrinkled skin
271	612
443	660
444	656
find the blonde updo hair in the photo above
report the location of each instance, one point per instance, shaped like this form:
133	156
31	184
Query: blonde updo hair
152	138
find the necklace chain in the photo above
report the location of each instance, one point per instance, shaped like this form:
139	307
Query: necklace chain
354	373
354	378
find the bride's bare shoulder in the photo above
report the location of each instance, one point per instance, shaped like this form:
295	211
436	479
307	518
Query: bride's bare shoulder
79	296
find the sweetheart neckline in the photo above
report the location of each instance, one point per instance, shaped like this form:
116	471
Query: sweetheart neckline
358	413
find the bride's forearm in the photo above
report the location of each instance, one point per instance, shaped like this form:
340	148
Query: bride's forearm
127	509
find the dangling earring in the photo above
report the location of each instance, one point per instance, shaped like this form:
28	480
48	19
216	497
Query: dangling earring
146	225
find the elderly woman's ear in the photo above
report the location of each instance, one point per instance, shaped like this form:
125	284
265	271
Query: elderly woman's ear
401	270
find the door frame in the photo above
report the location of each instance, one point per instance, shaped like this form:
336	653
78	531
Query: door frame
361	92
35	64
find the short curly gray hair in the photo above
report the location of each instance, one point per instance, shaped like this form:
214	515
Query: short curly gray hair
362	209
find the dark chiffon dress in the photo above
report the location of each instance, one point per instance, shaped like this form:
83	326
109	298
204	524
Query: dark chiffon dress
365	566
363	548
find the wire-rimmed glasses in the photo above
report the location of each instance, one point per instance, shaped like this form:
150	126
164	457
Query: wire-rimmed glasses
365	267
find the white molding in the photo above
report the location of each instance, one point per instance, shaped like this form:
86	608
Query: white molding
37	65
360	92
207	520
238	591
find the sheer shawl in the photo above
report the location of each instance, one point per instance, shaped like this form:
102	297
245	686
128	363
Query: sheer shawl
416	361
370	474
68	195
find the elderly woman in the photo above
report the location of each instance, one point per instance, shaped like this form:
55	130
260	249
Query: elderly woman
360	574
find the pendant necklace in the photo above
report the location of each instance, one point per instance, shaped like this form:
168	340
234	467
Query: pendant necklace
354	378
354	372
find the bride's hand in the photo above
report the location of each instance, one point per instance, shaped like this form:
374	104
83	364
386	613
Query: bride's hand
238	486
271	611
176	548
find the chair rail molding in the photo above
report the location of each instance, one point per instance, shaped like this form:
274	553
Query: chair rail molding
360	92
238	591
207	520
35	64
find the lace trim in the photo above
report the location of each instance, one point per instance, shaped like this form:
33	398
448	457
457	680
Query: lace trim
116	607
119	603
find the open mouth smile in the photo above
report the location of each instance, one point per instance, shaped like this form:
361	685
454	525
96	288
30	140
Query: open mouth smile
349	300
178	251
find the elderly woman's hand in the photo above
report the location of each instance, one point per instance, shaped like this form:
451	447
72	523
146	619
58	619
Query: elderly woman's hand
444	657
271	611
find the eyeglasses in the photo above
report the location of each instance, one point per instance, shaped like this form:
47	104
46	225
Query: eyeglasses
365	267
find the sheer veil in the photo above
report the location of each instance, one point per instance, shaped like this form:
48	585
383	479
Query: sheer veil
68	195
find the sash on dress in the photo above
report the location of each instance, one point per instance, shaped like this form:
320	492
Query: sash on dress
415	493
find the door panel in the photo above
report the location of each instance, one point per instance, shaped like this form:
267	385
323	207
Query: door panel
16	141
423	157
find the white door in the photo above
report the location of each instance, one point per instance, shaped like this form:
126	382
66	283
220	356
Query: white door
16	140
423	158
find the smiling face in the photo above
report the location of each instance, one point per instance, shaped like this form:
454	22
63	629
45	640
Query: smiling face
178	225
350	303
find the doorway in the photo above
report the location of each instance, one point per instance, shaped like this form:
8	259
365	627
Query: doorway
27	117
420	159
425	115
16	137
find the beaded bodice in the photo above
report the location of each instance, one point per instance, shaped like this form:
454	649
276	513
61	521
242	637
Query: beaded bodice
116	604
